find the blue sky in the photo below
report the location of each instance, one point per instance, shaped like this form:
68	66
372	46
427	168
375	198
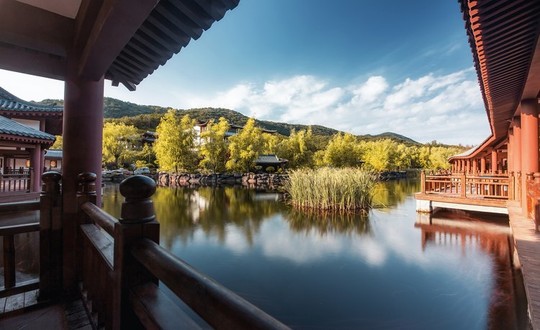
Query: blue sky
364	67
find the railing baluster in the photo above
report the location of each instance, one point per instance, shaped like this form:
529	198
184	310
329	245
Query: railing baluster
137	221
50	236
9	261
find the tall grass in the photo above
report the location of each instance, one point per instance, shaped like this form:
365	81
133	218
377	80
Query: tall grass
344	189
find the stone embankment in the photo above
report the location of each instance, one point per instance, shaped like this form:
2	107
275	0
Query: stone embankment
264	180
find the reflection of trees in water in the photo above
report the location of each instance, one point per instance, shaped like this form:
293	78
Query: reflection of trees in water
328	222
181	211
391	193
450	228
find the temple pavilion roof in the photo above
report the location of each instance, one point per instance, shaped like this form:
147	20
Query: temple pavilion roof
11	130
12	104
503	37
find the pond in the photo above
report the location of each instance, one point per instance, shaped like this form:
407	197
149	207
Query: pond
390	269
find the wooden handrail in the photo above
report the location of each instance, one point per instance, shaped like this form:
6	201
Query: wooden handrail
20	206
19	229
217	305
100	217
489	186
8	234
120	272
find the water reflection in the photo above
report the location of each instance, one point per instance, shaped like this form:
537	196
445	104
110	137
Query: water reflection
328	222
182	211
461	229
391	193
386	270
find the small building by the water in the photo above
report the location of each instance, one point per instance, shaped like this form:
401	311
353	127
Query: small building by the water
271	160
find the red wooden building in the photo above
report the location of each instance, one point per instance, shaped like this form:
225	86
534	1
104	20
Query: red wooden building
26	131
503	36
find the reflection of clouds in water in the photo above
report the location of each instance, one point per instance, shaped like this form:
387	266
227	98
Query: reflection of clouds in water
278	241
369	250
236	240
390	239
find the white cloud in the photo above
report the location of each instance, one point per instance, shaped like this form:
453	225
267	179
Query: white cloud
447	108
369	91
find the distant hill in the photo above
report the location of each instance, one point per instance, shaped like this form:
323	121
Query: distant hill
146	117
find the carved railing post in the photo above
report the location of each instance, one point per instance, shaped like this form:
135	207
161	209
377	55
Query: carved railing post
50	236
518	186
423	182
463	180
86	192
137	221
511	186
529	184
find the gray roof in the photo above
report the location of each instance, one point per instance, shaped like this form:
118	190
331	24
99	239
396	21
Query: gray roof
11	127
269	159
53	154
10	102
169	27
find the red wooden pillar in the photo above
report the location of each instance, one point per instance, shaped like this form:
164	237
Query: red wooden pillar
493	161
82	138
516	157
529	143
475	165
510	149
483	165
36	161
468	166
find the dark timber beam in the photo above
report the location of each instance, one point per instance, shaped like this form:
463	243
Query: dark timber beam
115	24
32	62
29	27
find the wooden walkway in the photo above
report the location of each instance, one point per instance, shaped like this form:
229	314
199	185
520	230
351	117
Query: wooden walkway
24	311
455	201
527	242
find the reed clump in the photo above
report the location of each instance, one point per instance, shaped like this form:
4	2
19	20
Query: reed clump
343	189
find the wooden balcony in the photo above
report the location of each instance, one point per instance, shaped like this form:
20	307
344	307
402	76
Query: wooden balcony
119	269
484	193
16	187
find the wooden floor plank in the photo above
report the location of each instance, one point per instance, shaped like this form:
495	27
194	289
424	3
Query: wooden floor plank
527	243
51	317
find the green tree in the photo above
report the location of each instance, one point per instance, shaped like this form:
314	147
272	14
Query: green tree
298	148
213	150
438	156
341	151
175	146
57	143
380	155
118	141
270	143
245	147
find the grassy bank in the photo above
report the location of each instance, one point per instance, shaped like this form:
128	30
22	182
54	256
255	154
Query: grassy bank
343	189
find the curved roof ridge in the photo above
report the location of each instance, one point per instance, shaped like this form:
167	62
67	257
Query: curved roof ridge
11	127
10	102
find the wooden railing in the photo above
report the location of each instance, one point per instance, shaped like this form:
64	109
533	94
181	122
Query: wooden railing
8	233
467	186
122	264
532	203
15	182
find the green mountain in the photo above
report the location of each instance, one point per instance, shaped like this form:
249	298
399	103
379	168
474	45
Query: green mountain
146	117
